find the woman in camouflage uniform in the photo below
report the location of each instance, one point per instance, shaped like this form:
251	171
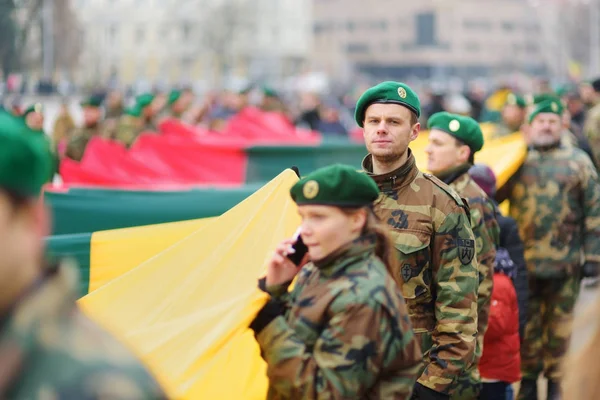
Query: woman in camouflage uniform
343	331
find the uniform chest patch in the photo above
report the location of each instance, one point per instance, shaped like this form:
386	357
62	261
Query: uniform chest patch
406	272
466	250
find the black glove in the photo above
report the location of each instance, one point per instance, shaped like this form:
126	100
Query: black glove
421	392
268	313
590	270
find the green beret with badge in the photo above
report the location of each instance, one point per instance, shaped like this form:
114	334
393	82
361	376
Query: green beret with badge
25	162
548	106
388	92
464	128
92	101
515	100
37	107
134	111
336	185
144	100
174	95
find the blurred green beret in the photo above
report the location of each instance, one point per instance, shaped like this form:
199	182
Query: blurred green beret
174	96
515	100
548	106
92	101
461	127
144	100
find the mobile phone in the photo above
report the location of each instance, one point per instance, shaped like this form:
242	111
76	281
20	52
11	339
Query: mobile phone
299	247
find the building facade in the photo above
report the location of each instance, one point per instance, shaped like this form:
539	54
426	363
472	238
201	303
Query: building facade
429	38
186	41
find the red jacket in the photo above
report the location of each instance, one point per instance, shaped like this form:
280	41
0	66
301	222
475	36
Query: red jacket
501	359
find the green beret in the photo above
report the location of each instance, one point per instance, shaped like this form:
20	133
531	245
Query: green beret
37	107
548	106
515	100
269	92
134	111
542	97
174	96
144	100
387	92
461	127
25	162
335	185
92	101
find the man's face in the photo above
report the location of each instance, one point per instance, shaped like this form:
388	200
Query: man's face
35	120
91	115
545	129
587	94
444	152
388	131
513	116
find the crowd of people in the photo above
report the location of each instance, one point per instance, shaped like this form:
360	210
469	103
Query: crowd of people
408	285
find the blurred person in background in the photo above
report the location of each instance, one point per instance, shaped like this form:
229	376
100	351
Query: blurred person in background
309	111
63	128
453	141
513	115
500	364
228	103
582	364
130	125
576	108
457	104
587	94
80	137
555	199
113	110
271	101
329	119
591	127
34	117
48	347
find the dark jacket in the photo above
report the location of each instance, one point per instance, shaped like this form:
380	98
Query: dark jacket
511	241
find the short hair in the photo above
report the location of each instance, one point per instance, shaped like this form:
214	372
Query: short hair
460	142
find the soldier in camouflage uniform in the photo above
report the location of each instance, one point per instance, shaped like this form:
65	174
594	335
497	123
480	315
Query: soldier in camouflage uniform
435	244
130	126
555	199
79	137
453	142
48	348
513	116
343	332
591	128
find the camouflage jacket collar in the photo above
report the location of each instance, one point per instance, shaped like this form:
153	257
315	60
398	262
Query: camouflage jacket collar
357	250
453	174
546	148
396	179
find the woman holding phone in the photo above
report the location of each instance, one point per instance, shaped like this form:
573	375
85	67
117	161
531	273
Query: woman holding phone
343	331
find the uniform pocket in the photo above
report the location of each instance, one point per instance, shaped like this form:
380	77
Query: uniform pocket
414	276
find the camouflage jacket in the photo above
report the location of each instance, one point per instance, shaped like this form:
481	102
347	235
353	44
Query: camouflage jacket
78	140
591	130
438	272
49	349
63	128
128	129
555	199
487	238
346	333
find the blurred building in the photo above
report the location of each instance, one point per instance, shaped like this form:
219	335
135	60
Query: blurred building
428	38
187	41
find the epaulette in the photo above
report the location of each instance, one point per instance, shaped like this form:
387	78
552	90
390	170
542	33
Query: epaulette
448	190
459	200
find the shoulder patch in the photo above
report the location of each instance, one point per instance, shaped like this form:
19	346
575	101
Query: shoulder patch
447	189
